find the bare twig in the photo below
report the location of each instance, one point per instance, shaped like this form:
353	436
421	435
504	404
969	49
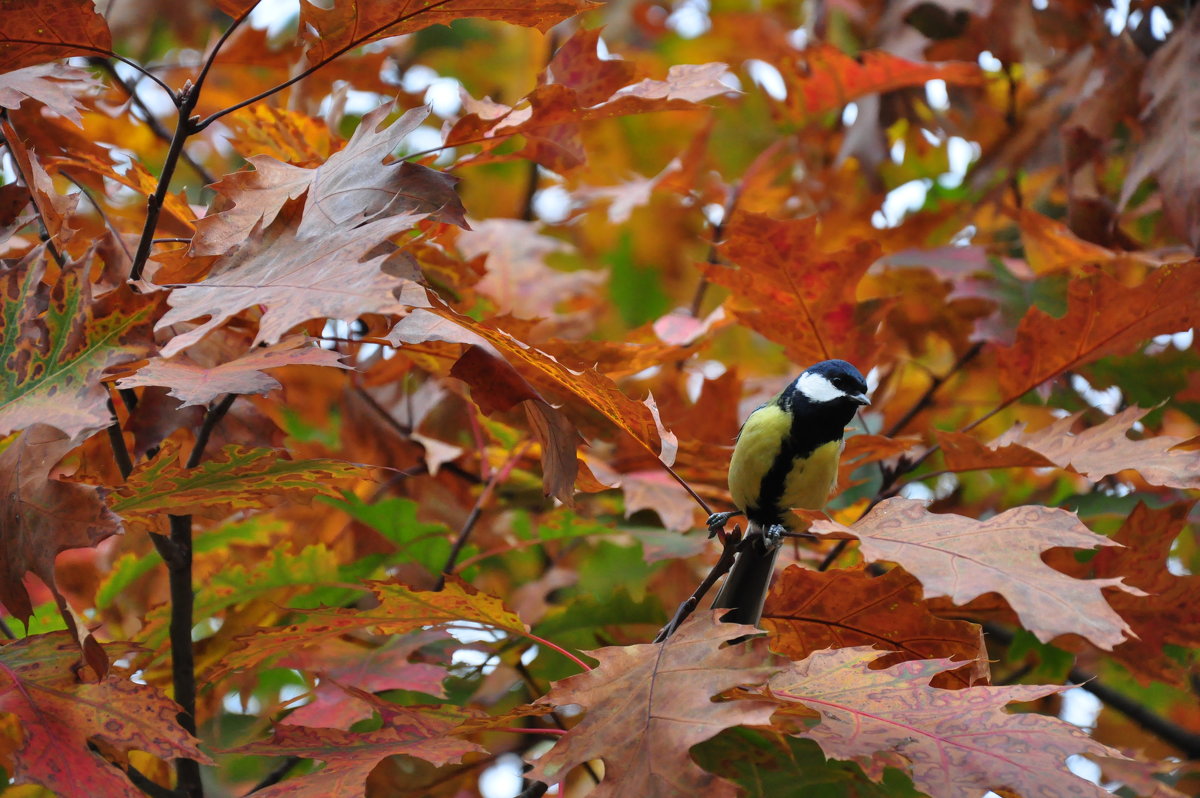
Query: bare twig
728	554
8	135
117	440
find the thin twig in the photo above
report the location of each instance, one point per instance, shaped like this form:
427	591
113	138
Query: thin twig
116	233
926	398
728	555
276	774
8	135
152	121
117	440
425	7
497	477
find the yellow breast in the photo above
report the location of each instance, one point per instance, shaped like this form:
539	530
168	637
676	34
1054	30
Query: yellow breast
808	481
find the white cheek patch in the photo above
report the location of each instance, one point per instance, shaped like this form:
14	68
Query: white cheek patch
816	388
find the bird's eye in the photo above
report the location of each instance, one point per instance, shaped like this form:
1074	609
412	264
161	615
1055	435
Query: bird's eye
839	383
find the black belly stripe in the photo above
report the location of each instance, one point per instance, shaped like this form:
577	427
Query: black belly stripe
767	510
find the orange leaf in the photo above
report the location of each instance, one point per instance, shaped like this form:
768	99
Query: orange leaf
822	78
648	704
952	742
796	295
1103	317
810	610
37	31
963	558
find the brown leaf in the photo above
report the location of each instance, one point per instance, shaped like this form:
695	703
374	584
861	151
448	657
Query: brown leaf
1103	318
350	757
648	704
55	85
655	490
807	611
790	291
59	716
333	275
41	516
54	209
353	187
1095	452
37	31
195	385
1172	123
962	558
952	742
1166	615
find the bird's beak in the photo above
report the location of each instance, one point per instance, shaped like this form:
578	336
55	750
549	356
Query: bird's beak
860	398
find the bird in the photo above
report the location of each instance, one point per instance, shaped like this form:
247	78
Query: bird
786	456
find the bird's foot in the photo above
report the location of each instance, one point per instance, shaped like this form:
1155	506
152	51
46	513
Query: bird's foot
773	536
716	522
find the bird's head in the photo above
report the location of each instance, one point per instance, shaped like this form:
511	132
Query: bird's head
832	381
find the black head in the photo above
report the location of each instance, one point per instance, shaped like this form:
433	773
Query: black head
832	382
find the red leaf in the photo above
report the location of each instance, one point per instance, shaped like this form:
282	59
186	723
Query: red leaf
37	31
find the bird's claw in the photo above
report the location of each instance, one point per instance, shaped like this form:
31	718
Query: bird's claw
716	522
773	536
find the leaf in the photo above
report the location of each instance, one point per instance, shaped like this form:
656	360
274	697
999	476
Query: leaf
1165	615
952	742
195	385
55	85
497	386
37	31
443	324
401	610
40	517
648	704
56	343
342	663
236	478
655	490
1172	131
331	31
788	290
1104	317
807	611
518	280
962	558
337	275
354	186
58	717
350	756
821	78
1095	452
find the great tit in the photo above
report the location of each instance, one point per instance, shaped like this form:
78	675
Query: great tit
786	456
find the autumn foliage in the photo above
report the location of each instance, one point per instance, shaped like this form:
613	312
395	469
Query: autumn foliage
369	370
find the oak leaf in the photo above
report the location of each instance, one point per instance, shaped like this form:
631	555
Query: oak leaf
57	341
1095	452
338	275
793	293
1104	317
55	85
329	32
195	385
1166	615
962	558
1172	125
40	517
952	742
810	610
648	704
401	610
59	716
351	187
37	31
349	757
822	78
236	478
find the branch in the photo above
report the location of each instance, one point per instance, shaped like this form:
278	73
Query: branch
152	121
425	7
728	554
497	477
